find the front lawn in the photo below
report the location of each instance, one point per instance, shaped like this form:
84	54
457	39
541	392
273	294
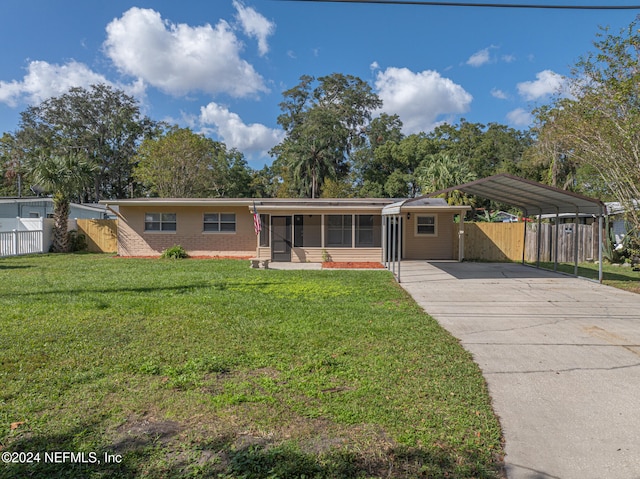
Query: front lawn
207	368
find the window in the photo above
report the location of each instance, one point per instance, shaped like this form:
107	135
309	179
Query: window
160	222
264	230
34	215
307	231
338	231
426	225
368	231
219	223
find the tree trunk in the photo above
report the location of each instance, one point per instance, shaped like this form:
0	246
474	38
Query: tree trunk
60	222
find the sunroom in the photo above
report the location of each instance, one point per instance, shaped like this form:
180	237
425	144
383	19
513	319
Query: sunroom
319	230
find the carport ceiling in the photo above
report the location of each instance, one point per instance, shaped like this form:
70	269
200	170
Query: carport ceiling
531	197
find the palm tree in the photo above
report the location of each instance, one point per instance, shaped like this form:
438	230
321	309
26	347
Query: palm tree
64	177
318	152
441	171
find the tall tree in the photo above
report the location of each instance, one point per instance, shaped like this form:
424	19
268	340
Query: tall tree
488	149
370	173
184	164
100	123
393	166
323	123
598	125
12	166
65	177
441	171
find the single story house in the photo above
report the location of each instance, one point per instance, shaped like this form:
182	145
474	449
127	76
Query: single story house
292	229
42	207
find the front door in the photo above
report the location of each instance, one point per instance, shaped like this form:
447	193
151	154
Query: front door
281	238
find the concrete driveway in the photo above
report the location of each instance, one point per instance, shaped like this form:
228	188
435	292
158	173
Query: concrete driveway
561	357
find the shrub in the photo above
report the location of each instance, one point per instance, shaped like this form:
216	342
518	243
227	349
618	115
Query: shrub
77	241
175	252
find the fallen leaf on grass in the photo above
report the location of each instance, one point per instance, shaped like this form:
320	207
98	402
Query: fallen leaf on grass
16	425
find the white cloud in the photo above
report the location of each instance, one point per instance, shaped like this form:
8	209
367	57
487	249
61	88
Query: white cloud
508	58
519	117
44	80
499	94
546	83
178	58
254	25
237	134
420	99
479	58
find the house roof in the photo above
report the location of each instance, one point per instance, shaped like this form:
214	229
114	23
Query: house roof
250	201
530	196
422	203
299	204
49	200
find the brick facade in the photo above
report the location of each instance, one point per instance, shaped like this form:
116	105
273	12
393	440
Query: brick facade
133	240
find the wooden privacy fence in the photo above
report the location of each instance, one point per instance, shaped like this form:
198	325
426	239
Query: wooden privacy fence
101	235
504	242
493	241
587	242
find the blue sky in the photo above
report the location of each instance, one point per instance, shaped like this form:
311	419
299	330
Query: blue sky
220	66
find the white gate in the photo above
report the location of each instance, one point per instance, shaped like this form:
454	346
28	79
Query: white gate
21	236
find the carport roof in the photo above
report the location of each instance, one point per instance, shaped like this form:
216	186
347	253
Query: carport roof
531	197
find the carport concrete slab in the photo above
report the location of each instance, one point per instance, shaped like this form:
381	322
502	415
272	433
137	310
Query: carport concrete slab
561	357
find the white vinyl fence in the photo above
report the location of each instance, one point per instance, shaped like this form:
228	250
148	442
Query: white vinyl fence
24	236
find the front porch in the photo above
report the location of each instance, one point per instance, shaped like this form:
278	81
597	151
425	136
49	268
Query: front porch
359	231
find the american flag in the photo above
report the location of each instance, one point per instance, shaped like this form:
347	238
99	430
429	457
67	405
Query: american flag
257	225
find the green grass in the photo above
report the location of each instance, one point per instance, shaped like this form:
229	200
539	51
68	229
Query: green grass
207	368
618	276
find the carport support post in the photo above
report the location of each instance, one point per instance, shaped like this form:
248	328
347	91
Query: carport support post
384	241
393	244
539	239
576	238
525	214
461	236
400	227
600	246
555	256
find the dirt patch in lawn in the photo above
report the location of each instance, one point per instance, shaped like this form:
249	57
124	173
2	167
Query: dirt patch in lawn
352	265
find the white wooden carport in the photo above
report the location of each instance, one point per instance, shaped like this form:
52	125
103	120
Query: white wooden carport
537	199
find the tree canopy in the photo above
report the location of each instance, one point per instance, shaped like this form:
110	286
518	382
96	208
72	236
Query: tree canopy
323	122
595	129
183	164
101	123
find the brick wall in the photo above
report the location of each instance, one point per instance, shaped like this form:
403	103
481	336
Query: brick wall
134	241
